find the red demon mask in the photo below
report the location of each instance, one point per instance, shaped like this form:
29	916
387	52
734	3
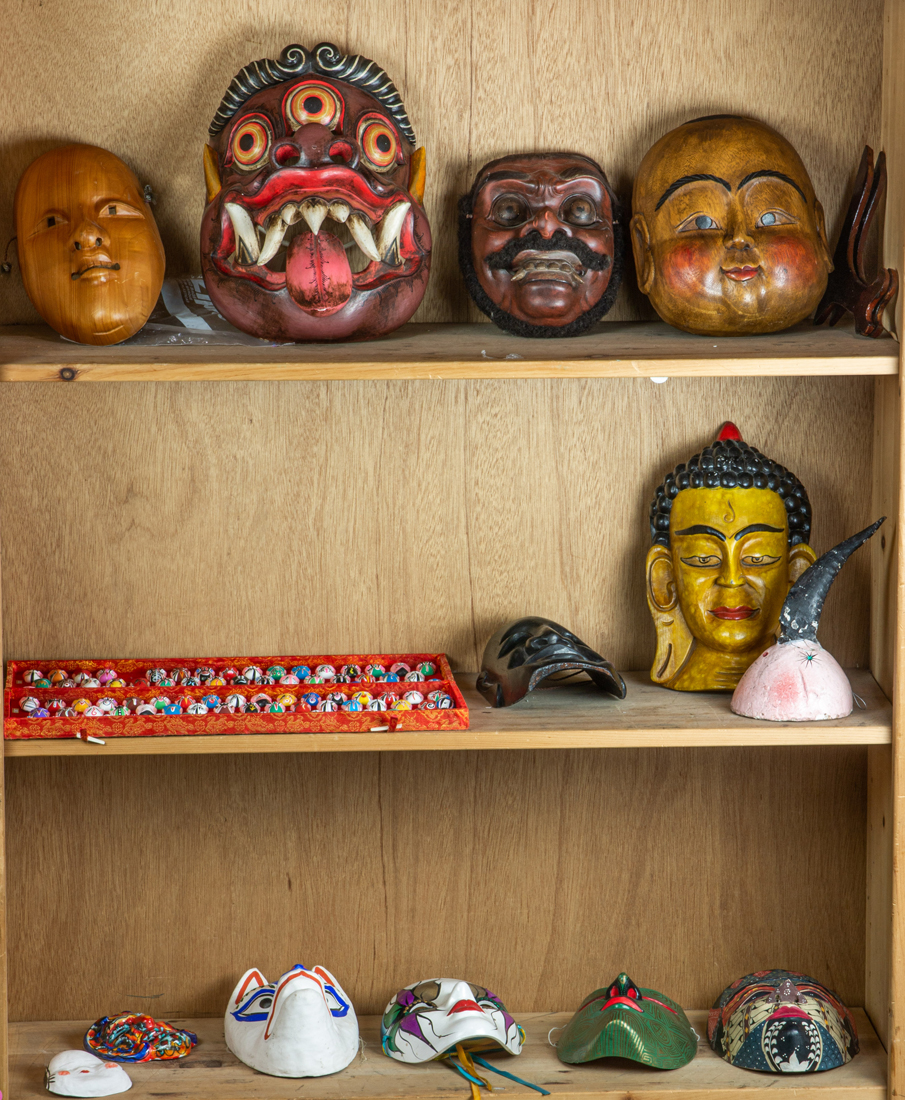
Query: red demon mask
314	228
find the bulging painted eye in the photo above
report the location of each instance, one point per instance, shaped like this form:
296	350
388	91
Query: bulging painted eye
314	102
378	142
251	141
698	221
579	210
775	217
509	211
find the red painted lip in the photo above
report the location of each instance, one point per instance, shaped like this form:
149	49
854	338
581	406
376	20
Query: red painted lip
622	1002
733	613
740	274
465	1006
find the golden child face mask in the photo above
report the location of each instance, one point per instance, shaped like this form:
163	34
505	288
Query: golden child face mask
91	258
728	235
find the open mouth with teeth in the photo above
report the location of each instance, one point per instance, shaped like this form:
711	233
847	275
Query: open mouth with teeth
319	234
531	266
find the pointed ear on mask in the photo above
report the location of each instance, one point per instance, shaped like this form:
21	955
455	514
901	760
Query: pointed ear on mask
674	639
417	174
211	173
644	260
800	557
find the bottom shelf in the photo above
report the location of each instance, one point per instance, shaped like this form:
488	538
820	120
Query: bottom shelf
211	1072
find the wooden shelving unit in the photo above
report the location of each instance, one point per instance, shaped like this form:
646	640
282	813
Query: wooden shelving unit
564	717
455	351
214	1073
327	498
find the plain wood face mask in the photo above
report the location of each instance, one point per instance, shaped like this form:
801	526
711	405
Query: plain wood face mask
302	1025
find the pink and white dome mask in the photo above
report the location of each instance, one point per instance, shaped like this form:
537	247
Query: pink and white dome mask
303	1025
796	680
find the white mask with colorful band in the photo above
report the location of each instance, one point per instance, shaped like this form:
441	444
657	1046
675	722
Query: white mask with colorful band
303	1025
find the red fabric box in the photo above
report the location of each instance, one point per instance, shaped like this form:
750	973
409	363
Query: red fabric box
17	724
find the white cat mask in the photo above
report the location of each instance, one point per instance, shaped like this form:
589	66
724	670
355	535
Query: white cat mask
303	1025
78	1073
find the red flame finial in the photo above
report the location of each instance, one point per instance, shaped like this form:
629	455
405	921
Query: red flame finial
729	431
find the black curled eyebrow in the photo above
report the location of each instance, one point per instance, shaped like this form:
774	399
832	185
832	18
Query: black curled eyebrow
750	530
761	173
692	179
701	529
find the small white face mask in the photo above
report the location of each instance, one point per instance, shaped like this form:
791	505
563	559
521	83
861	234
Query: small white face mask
303	1025
430	1017
78	1073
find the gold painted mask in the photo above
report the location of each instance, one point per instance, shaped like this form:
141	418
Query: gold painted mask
729	531
91	258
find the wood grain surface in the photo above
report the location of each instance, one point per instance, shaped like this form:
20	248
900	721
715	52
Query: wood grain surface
567	715
160	880
384	516
478	80
212	1072
32	353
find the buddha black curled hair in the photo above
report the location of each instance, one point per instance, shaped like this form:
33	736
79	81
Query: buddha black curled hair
506	321
324	60
732	464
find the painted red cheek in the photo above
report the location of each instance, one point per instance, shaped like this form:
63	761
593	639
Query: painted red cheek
791	261
686	266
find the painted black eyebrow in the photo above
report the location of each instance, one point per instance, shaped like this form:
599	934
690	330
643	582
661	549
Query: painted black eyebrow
757	527
502	175
776	175
691	179
701	529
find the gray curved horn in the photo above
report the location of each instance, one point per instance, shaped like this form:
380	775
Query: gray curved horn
800	615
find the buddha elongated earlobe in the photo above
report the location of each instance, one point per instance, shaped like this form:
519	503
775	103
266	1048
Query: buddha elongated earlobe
661	579
674	639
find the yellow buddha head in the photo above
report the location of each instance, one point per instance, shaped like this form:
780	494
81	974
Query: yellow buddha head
729	531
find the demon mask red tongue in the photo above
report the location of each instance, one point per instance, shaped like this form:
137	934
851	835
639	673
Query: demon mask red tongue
318	276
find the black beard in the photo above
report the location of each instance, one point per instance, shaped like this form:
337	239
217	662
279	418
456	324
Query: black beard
559	242
511	324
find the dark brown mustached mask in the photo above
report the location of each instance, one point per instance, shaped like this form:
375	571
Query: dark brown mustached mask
541	243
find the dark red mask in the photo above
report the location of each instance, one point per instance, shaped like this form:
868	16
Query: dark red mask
541	243
314	228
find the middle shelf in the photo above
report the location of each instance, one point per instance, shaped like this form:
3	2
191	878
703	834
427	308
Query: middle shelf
566	716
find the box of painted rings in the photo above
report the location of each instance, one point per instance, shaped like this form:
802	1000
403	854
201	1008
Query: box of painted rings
338	693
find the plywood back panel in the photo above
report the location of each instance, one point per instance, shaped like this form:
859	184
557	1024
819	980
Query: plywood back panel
604	77
279	517
155	883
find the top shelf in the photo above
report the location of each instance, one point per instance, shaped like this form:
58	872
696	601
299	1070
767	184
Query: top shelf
480	351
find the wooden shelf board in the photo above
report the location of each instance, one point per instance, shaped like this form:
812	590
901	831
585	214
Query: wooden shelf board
616	350
212	1071
567	716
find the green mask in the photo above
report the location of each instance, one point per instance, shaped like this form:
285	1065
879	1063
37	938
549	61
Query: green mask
625	1021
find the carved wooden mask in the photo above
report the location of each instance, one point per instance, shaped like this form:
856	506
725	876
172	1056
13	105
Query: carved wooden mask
314	228
728	235
91	258
540	243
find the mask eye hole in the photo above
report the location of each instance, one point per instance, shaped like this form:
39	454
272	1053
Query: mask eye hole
509	211
257	1006
580	210
251	142
313	102
379	143
53	220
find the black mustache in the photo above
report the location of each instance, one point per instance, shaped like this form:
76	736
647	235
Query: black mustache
559	242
